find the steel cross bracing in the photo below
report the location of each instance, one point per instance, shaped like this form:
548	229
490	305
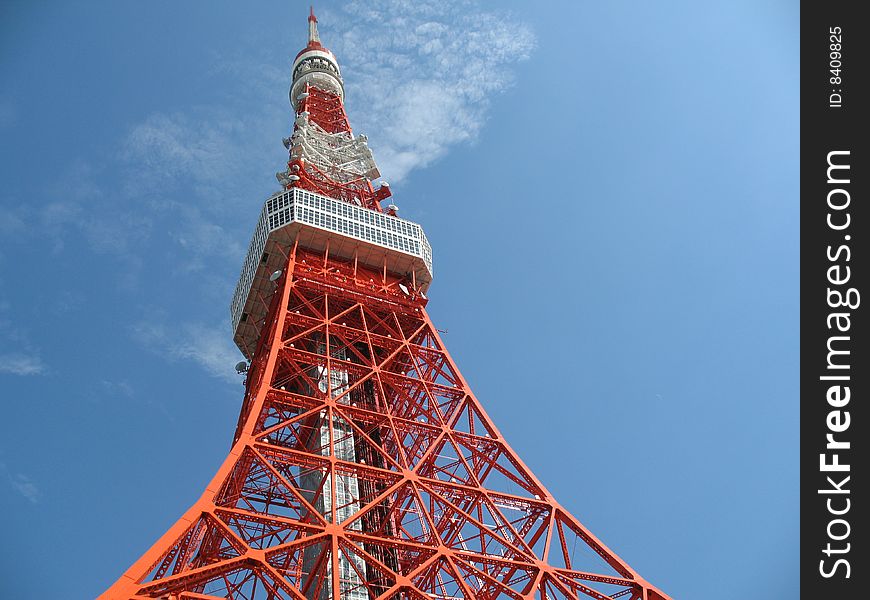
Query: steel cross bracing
362	466
338	155
325	157
441	506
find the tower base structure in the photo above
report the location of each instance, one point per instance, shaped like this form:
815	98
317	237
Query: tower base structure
363	467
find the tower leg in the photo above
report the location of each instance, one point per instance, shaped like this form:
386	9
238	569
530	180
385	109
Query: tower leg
365	468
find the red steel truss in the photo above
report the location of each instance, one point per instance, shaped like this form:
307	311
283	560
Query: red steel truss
444	509
326	109
362	465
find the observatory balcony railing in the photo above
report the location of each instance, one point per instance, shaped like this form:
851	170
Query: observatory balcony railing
318	223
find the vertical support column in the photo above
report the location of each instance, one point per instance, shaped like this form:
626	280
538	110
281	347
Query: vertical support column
265	363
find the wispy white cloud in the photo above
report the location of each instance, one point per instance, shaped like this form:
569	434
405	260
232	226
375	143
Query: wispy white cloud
201	240
107	230
15	363
208	346
214	152
22	484
192	170
198	146
84	204
26	487
420	76
211	348
117	388
26	360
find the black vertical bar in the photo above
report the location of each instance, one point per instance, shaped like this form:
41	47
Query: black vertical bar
835	369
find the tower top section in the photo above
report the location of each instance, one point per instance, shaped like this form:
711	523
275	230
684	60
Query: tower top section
328	204
315	65
313	37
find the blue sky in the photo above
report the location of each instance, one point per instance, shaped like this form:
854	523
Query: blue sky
611	191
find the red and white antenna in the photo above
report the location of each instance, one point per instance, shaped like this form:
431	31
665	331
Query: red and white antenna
313	37
325	156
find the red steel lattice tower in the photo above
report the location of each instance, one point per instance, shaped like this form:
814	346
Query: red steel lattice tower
362	466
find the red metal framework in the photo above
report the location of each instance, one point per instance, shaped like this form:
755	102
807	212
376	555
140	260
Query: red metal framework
325	110
362	465
444	508
325	157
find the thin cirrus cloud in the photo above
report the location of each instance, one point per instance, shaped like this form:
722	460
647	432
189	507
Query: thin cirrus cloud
208	346
21	484
420	76
211	150
21	364
25	360
26	487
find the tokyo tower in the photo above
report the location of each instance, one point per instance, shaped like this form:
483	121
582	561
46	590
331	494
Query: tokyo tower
362	465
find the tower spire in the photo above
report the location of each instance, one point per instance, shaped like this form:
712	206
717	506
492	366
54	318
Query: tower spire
313	36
